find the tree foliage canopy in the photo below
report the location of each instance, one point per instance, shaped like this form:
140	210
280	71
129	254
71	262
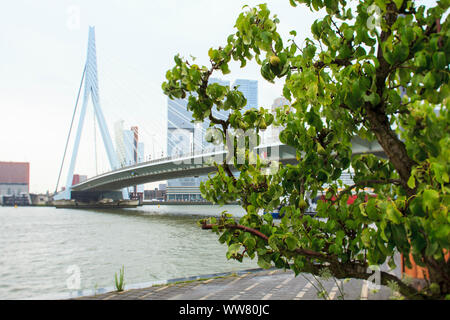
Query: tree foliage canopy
379	72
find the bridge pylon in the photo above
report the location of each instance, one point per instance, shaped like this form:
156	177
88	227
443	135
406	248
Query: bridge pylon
91	91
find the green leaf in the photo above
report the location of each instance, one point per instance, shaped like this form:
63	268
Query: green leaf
416	207
371	210
177	59
224	68
309	51
299	262
429	80
418	243
273	242
373	98
412	182
443	233
407	35
398	3
267	73
365	237
348	34
268	217
233	250
439	60
291	242
251	209
391	264
263	262
430	199
421	60
250	243
224	237
385	231
401	52
400	238
393	214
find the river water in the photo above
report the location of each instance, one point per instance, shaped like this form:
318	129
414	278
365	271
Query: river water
45	252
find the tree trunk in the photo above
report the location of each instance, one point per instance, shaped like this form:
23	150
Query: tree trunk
439	273
394	148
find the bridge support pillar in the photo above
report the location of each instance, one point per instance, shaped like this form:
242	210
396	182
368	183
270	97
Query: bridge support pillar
91	91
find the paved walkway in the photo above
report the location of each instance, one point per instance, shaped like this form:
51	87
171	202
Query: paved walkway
272	284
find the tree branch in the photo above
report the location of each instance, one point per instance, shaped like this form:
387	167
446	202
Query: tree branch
338	269
301	251
337	30
340	62
358	271
255	232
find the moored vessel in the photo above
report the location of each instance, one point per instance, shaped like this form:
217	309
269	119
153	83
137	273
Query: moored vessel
104	203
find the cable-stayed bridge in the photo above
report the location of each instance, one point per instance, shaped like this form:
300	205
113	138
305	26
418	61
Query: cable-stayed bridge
186	163
187	166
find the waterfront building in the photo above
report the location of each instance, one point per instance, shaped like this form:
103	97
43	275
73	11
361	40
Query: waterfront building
157	194
39	199
14	181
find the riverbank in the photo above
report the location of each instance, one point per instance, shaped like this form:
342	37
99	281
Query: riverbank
147	203
252	284
185	203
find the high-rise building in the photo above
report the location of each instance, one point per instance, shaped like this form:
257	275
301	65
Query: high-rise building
181	140
120	143
129	150
184	136
250	90
78	178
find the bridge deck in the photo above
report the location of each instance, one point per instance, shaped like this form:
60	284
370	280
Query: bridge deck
188	166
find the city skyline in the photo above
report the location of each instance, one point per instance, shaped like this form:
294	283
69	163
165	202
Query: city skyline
43	45
44	50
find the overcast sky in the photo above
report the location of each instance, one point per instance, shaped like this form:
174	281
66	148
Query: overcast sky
42	53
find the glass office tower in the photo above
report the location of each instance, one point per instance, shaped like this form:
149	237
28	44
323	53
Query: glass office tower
182	138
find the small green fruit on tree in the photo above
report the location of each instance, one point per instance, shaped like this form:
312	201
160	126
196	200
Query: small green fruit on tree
274	61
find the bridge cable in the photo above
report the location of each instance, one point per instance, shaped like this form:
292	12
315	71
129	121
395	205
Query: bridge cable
139	96
95	144
71	126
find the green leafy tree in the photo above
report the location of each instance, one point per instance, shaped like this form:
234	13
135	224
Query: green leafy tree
379	72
